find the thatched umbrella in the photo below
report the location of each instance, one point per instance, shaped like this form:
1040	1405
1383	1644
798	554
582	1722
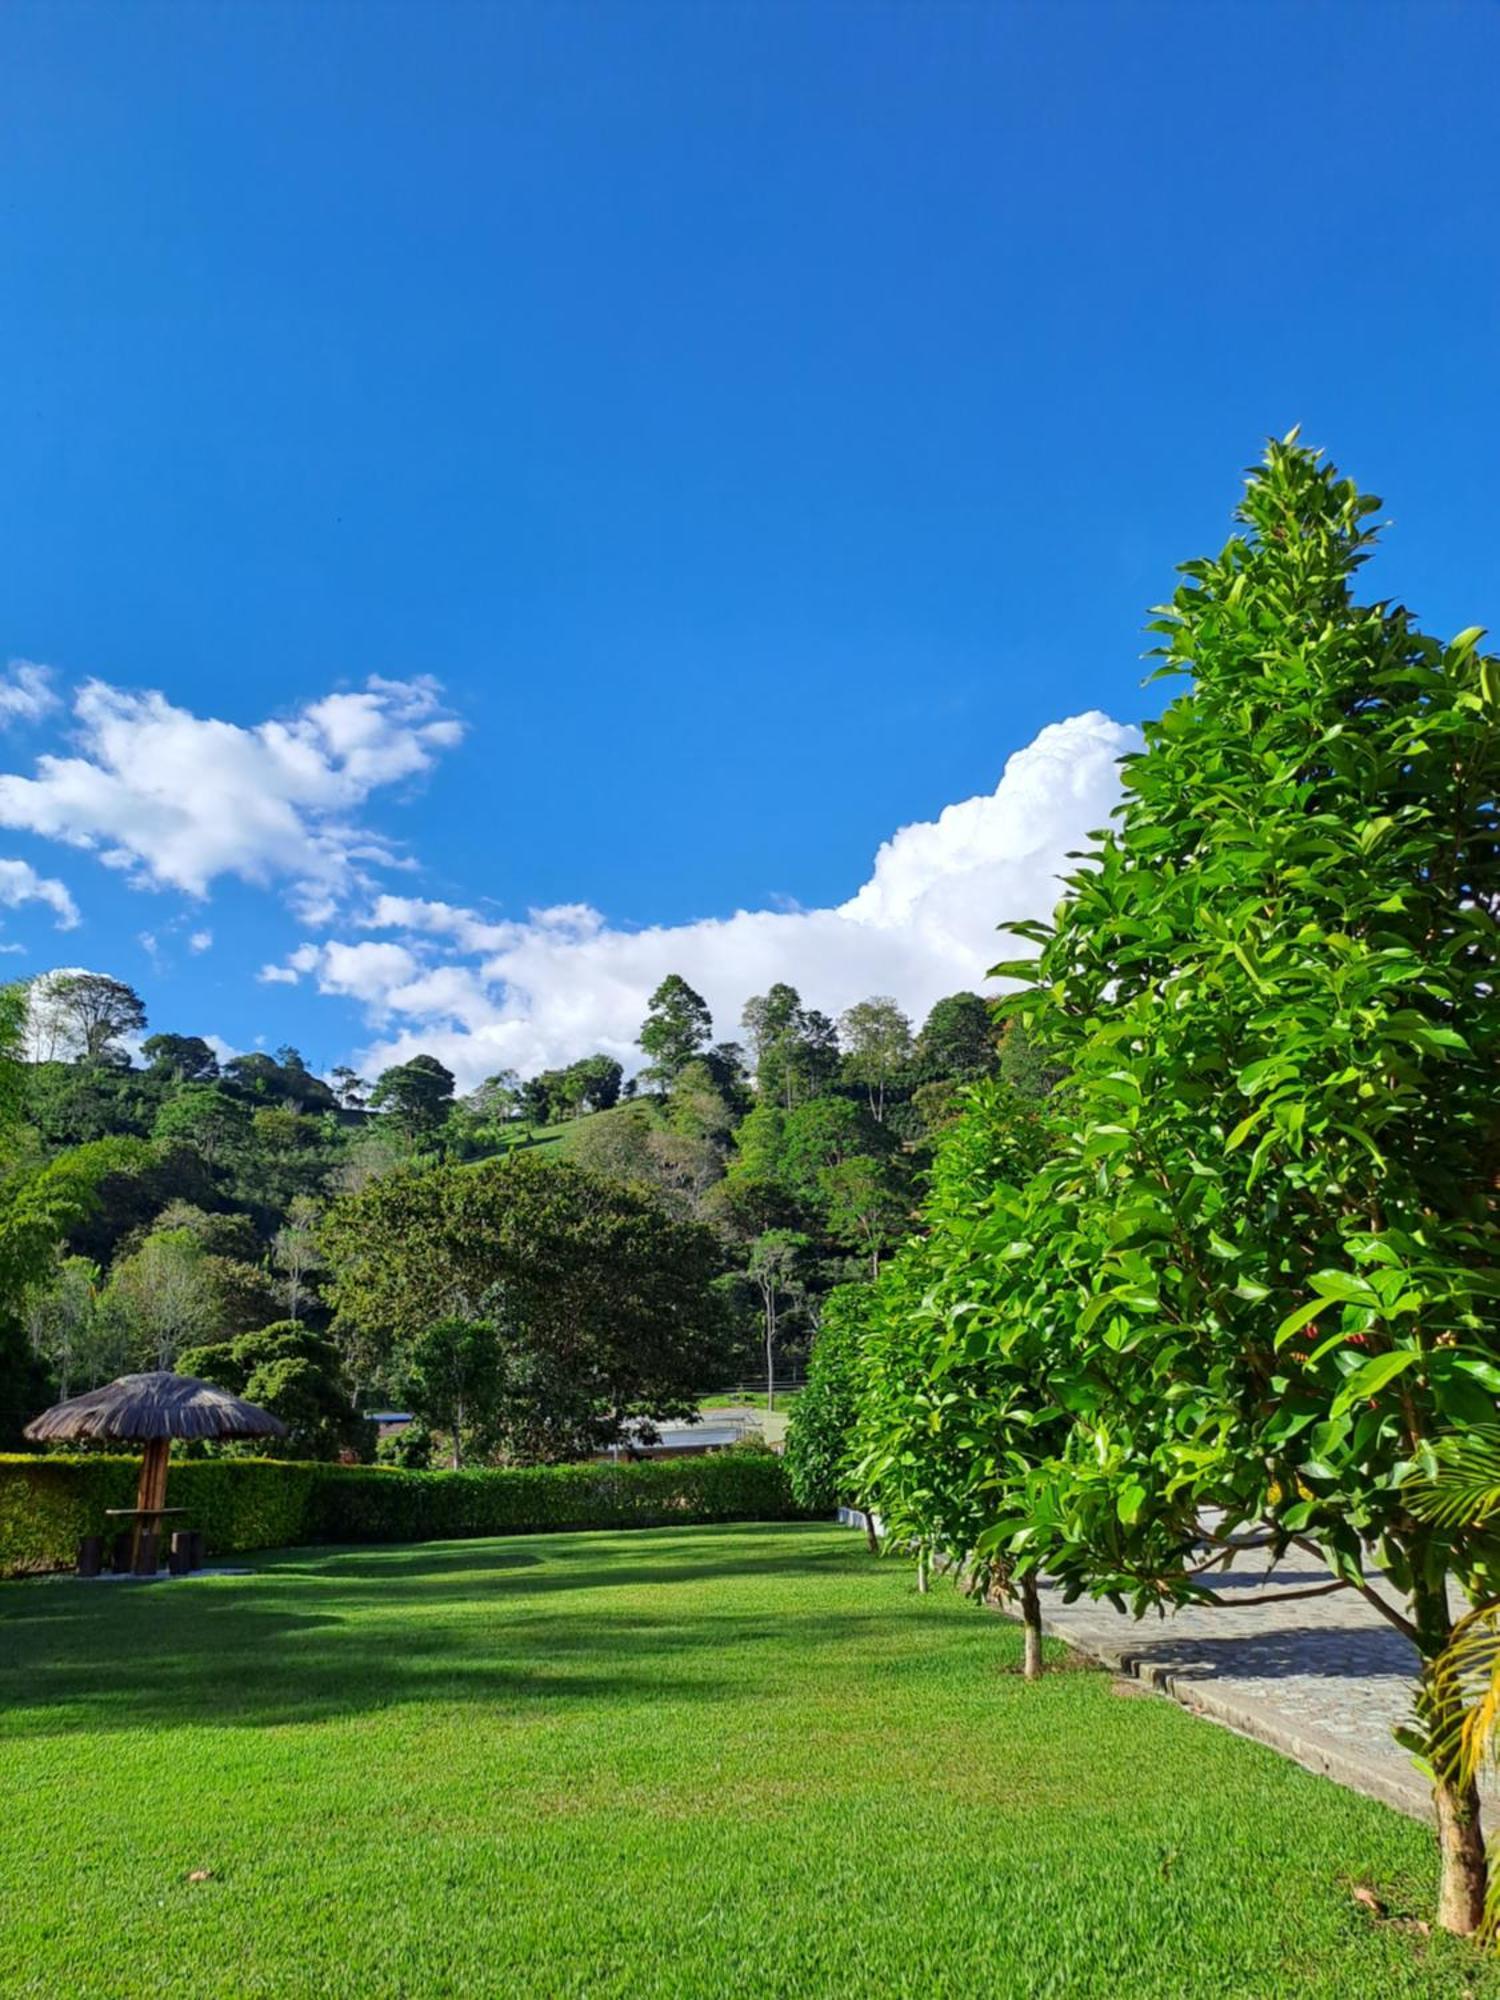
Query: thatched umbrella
152	1410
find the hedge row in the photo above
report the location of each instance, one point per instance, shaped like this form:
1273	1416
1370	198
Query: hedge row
47	1505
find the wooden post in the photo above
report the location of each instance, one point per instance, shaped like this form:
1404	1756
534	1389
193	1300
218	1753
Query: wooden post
151	1496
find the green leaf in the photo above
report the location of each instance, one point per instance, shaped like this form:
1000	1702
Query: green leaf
1372	1376
1295	1321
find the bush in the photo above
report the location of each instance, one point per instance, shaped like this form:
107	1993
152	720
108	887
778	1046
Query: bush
821	1427
48	1504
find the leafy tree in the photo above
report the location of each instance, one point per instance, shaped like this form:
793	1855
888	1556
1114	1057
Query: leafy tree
1266	1232
287	1155
349	1088
795	1048
840	1164
603	1303
496	1100
219	1234
864	1205
85	1014
535	1099
162	1296
776	1270
877	1044
455	1381
138	1183
415	1095
593	1084
958	1040
676	1030
184	1058
63	1323
619	1148
40	1201
202	1116
962	1396
70	1104
759	1142
296	1374
296	1252
1024	1069
822	1134
820	1433
282	1079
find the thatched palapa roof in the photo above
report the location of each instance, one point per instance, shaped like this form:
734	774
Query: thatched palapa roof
138	1408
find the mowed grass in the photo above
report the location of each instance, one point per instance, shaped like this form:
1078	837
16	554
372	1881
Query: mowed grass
732	1760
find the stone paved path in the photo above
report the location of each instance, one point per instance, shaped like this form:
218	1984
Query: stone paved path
1324	1679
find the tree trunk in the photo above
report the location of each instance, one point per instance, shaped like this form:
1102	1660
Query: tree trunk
770	1352
1461	1882
921	1572
871	1538
1031	1626
1463	1871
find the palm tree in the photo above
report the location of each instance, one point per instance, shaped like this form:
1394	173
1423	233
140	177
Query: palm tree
1458	1703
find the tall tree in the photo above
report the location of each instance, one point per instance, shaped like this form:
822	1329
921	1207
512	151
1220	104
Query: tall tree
775	1269
415	1095
958	1041
677	1028
877	1044
207	1118
795	1048
184	1058
1267	1228
591	1084
164	1296
297	1375
456	1381
297	1253
603	1303
40	1201
349	1088
85	1014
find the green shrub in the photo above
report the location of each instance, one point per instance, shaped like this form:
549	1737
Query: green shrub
821	1428
47	1504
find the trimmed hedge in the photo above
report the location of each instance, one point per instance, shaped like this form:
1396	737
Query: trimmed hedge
48	1504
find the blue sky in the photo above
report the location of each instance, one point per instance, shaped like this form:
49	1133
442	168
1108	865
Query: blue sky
762	421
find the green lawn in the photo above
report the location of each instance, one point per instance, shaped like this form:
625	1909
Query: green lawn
684	1763
752	1399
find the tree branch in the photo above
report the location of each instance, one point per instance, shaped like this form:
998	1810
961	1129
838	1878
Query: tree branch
1372	1597
1276	1596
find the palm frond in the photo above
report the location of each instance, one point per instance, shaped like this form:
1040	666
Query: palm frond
1460	1704
1464	1490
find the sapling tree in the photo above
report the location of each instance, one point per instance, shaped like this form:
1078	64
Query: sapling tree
957	1403
1265	1235
820	1434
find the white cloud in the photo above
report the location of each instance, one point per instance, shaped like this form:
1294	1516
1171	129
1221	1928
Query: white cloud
20	883
26	693
201	941
175	800
486	995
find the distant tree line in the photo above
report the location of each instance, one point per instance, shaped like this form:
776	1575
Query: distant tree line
224	1211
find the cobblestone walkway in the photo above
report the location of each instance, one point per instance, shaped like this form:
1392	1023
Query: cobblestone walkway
1324	1679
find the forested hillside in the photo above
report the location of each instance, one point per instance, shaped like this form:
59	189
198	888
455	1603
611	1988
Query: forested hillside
223	1213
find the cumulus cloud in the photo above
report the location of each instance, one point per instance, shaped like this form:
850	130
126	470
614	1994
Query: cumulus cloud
175	800
20	883
485	995
200	941
26	693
